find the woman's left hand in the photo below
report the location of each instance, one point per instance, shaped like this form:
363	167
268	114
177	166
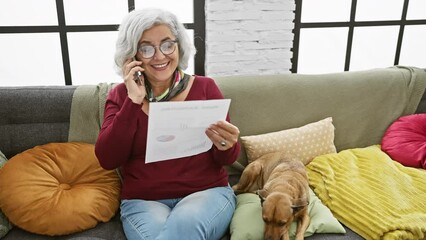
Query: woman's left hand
223	134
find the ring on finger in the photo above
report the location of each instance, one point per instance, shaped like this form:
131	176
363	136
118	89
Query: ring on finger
223	143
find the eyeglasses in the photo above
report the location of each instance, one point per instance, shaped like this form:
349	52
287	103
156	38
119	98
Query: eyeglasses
166	47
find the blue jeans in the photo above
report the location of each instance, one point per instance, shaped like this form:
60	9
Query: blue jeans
201	215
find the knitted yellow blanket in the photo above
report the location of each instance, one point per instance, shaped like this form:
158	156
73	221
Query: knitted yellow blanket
376	197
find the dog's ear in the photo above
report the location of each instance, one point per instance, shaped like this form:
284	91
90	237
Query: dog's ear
299	204
262	193
260	181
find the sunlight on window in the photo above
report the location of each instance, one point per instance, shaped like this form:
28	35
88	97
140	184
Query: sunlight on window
31	59
374	10
373	47
413	51
322	50
92	57
191	66
28	13
416	9
94	12
326	10
184	9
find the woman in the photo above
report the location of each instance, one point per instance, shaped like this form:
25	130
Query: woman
185	198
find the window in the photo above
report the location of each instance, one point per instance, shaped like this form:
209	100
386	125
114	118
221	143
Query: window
348	35
72	42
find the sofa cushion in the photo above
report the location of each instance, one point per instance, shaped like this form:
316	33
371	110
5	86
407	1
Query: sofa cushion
305	142
57	189
247	222
5	225
405	140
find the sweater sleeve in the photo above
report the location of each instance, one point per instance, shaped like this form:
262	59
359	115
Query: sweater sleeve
226	157
115	140
231	155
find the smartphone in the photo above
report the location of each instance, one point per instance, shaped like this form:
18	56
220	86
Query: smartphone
138	74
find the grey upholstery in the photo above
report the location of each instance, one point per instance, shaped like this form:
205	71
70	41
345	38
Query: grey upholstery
30	116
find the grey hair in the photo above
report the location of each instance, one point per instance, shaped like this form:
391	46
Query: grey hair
136	22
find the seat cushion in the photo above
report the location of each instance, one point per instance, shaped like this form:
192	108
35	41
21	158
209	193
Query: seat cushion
58	189
405	140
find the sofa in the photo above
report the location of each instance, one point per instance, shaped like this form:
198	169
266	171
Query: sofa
361	104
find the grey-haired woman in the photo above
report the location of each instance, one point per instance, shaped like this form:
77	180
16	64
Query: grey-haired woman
185	198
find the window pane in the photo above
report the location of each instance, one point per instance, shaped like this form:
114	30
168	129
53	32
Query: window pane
94	12
184	14
416	9
322	50
190	69
371	10
326	10
92	57
28	13
373	47
413	51
31	59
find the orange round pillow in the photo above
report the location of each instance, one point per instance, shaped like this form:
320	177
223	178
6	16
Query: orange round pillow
58	189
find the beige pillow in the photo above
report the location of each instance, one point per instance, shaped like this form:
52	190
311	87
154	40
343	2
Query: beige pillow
304	142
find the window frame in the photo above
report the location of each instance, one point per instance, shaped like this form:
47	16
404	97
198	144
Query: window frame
198	26
351	24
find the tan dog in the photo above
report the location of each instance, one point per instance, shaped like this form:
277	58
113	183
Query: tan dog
282	184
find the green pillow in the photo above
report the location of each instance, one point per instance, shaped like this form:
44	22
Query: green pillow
247	222
5	225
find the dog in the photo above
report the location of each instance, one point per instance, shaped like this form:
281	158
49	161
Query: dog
282	184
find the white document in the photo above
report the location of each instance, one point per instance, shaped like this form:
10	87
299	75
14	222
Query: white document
177	129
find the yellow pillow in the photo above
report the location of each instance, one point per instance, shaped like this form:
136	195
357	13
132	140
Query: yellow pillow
58	189
305	142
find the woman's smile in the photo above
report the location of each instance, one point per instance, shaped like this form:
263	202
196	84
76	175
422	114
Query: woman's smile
160	67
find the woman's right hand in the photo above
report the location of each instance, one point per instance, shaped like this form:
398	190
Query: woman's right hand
135	89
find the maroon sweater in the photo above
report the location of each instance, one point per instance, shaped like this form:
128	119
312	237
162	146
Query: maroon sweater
122	143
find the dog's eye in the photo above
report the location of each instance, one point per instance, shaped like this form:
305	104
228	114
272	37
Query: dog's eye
297	209
281	224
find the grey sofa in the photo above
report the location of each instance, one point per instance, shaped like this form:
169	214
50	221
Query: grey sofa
31	116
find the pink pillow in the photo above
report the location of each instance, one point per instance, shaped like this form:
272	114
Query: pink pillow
405	140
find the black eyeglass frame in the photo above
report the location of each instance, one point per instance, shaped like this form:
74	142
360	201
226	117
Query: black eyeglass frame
159	47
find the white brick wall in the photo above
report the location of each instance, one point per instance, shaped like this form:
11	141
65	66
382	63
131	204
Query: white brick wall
248	36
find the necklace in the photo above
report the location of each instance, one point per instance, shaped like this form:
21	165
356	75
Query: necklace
179	83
